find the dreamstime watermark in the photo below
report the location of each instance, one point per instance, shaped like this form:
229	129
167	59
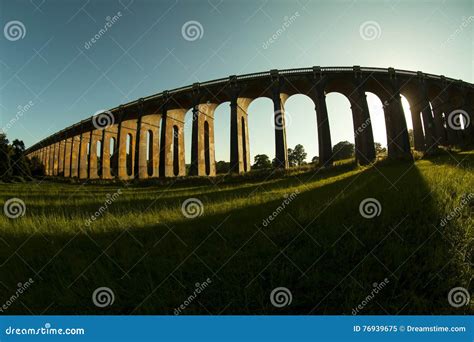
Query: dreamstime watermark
457	210
103	119
46	330
19	291
103	296
109	200
14	30
370	30
14	208
377	287
198	290
288	199
192	208
192	30
458	297
281	119
464	24
362	127
370	207
287	21
110	21
280	297
21	110
458	119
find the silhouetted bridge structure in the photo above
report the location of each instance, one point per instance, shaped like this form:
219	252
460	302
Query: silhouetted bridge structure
145	138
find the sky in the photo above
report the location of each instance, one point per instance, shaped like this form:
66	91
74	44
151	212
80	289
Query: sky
52	75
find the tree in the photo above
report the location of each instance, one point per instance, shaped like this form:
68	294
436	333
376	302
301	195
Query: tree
261	161
13	162
291	161
19	162
343	150
222	167
315	160
36	167
297	156
379	149
5	163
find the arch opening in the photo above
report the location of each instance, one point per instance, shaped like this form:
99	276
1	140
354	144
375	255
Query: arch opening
261	133
99	157
112	157
175	150
207	156
301	129
129	154
377	119
341	126
222	137
149	152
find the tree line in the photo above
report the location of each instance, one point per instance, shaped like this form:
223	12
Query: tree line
14	165
297	156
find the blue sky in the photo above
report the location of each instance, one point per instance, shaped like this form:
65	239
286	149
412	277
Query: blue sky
54	81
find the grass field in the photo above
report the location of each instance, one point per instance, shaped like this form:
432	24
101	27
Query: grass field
318	246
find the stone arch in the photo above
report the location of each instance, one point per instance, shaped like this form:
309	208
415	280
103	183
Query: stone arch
377	118
113	156
175	150
222	136
149	152
256	128
129	154
98	155
339	112
301	124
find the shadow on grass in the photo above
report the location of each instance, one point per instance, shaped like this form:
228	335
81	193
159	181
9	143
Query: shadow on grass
319	246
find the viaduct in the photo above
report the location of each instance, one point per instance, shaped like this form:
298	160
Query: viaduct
145	138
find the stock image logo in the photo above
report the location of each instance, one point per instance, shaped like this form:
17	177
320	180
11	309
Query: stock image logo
192	208
14	30
103	297
103	119
14	208
370	208
281	297
192	30
458	119
459	297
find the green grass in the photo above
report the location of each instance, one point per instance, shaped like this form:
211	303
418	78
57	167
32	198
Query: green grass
319	246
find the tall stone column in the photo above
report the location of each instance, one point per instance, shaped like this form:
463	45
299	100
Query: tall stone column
202	145
140	143
468	107
54	159
363	135
172	161
61	158
51	159
125	162
397	133
95	137
324	133
150	123
57	156
75	150
239	137
67	157
281	151
46	160
423	103
83	155
418	135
